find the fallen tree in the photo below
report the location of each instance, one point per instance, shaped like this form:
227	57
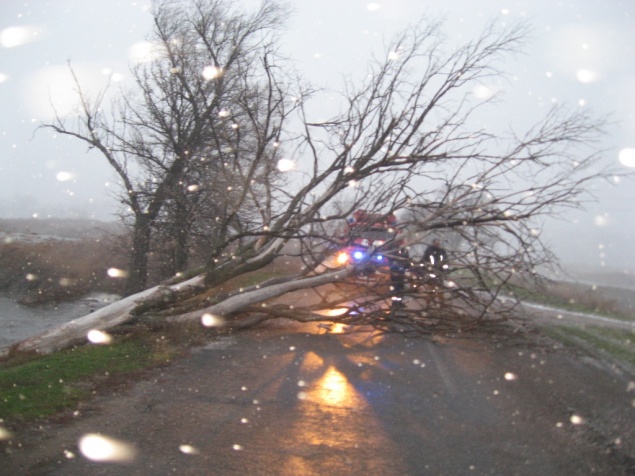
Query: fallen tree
125	310
406	142
77	330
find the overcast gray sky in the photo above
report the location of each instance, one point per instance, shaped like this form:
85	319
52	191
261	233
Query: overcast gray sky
583	54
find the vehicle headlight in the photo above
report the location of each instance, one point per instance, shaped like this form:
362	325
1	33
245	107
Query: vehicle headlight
358	255
342	258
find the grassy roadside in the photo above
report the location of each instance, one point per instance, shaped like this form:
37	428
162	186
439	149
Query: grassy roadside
40	386
615	345
575	298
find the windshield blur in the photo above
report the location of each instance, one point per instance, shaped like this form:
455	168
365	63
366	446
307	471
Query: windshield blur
220	199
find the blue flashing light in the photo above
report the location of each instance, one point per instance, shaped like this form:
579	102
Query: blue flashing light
358	255
379	257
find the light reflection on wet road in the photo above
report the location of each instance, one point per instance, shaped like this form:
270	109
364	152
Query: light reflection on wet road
313	403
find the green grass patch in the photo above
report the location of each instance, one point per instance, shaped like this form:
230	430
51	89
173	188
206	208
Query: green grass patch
39	386
618	344
50	384
570	297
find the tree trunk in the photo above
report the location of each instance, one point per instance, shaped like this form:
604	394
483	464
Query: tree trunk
240	301
138	266
182	235
76	331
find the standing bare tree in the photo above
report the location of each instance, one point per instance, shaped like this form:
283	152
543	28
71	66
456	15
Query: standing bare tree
184	119
406	137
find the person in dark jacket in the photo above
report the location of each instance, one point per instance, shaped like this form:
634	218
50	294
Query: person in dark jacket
434	264
399	263
435	257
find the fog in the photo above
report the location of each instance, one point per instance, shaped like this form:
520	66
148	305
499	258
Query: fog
581	55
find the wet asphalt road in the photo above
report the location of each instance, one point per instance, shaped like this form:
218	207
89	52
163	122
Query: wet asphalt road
303	401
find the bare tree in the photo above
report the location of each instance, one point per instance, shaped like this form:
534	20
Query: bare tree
406	138
182	118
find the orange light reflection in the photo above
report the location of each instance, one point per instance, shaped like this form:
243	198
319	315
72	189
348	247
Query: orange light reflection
332	312
332	414
334	390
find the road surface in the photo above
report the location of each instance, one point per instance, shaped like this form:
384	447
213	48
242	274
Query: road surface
301	400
